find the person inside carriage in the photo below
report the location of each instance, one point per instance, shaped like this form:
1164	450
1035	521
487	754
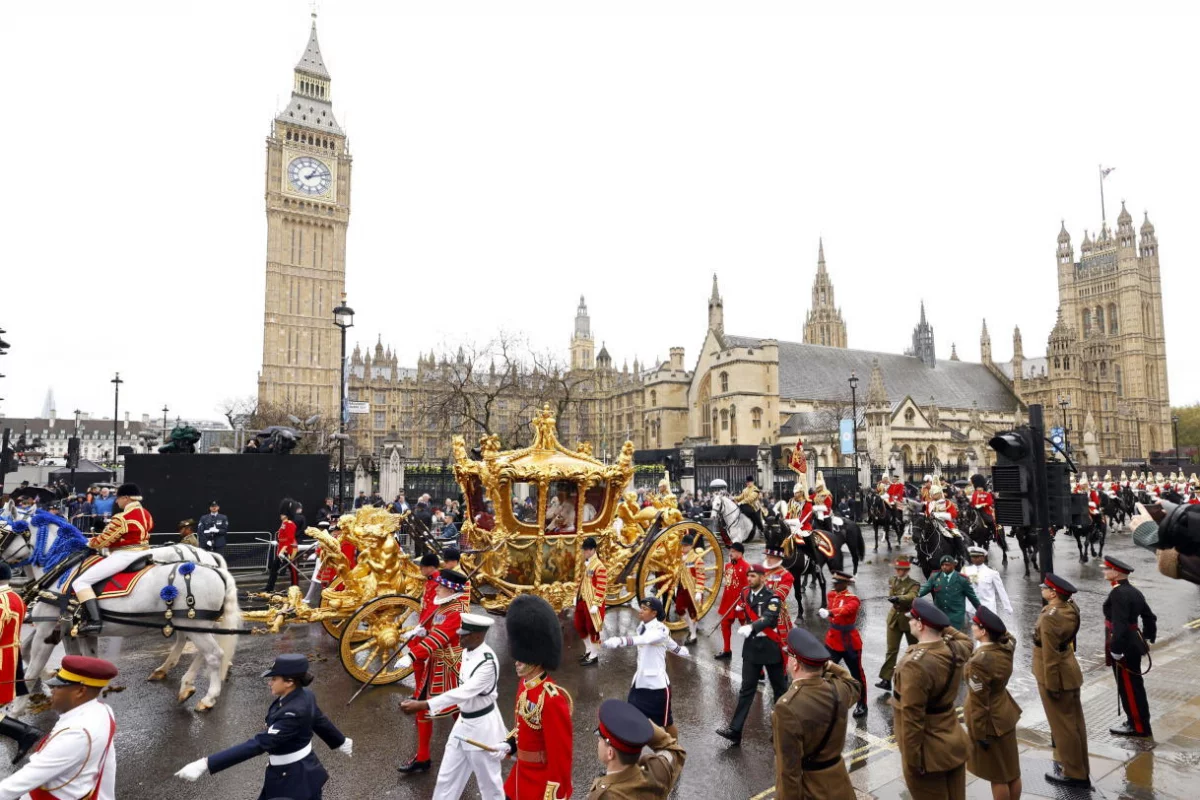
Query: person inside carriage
560	514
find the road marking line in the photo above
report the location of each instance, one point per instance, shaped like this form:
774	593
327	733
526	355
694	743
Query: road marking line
1193	625
764	794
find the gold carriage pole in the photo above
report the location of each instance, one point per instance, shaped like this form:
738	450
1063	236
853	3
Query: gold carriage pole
387	663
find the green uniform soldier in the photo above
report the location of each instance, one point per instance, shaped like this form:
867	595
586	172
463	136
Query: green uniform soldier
951	591
902	590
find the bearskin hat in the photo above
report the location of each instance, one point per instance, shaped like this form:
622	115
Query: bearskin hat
129	490
288	507
978	481
534	634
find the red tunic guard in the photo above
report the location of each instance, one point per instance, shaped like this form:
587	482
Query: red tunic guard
544	742
128	528
780	581
12	614
592	589
735	583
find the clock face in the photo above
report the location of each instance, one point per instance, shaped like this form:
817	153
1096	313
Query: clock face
309	175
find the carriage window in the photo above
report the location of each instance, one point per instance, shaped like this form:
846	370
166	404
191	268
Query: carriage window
562	508
594	497
525	503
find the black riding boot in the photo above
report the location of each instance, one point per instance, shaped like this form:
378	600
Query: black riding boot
24	734
92	623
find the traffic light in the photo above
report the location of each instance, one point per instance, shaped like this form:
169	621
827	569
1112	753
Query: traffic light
1013	476
8	461
73	452
1067	508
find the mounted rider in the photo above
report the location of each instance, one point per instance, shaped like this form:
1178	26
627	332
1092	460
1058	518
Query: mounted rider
945	512
747	501
799	515
124	540
1093	496
983	501
823	503
926	486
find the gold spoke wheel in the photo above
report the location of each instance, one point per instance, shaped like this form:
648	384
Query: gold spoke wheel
658	573
373	634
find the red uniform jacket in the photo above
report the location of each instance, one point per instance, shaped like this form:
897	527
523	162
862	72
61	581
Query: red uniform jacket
780	581
843	622
327	571
801	511
12	613
950	508
439	652
983	500
895	492
285	539
735	582
1094	503
128	528
544	742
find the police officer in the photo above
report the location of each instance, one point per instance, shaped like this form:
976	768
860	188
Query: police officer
1125	644
933	746
293	770
762	650
650	691
809	724
902	590
214	527
1059	678
622	733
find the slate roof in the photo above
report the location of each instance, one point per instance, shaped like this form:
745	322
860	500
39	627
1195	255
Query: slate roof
818	373
1030	368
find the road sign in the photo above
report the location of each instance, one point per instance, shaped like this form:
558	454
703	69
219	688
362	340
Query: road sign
1057	435
358	407
846	430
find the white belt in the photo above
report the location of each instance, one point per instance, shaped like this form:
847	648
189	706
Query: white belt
290	758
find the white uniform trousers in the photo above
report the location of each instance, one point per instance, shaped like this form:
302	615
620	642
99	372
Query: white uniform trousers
458	762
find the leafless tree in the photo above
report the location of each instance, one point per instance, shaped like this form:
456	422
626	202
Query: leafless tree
565	388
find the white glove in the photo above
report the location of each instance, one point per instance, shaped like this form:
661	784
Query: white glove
210	542
745	631
739	608
194	770
942	515
683	651
594	610
613	642
405	661
499	751
420	631
347	747
699	596
213	529
823	613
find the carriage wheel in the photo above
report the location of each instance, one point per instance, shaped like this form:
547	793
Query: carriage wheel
619	593
332	625
373	634
657	571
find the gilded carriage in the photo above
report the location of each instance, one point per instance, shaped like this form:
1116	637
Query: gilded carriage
373	593
544	500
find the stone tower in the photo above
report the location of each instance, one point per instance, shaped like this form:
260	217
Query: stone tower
582	345
985	345
1111	300
824	323
922	341
716	310
308	211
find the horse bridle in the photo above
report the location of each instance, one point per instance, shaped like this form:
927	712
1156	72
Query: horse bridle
7	537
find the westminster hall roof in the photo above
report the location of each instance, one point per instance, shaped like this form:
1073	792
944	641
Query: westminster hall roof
819	373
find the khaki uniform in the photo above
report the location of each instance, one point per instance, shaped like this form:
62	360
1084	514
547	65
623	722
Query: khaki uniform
748	496
991	713
655	774
1058	679
897	621
933	746
808	748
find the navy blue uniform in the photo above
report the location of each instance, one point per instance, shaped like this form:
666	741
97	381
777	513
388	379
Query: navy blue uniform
291	722
213	541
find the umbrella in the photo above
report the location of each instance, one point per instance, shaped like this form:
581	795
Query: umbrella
962	482
718	485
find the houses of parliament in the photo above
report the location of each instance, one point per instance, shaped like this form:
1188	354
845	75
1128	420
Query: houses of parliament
1104	367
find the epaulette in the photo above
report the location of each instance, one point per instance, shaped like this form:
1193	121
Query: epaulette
773	603
918	654
1051	611
553	689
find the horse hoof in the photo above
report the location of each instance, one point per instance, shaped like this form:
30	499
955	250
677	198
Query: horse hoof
157	675
205	704
185	694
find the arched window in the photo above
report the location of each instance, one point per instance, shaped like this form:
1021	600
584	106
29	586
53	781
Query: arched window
1066	362
724	382
1099	319
733	424
910	417
1120	384
1056	362
706	413
1112	318
1087	321
756	418
1103	369
653	398
724	419
931	456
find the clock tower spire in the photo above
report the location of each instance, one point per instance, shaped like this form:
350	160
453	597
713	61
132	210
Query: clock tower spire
308	212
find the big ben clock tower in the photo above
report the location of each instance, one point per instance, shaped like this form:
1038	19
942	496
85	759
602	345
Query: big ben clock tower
308	210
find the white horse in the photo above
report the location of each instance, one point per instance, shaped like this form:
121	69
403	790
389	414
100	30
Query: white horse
48	540
736	524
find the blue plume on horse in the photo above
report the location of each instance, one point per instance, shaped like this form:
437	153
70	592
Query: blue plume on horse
187	568
68	541
168	594
20	526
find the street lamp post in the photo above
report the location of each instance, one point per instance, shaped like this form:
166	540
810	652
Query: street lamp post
75	458
854	426
343	318
164	433
1062	404
1175	427
116	382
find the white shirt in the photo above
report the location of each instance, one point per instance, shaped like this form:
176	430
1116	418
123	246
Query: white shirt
987	585
80	736
652	640
480	675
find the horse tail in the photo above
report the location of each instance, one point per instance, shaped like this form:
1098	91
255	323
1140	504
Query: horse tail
231	619
858	545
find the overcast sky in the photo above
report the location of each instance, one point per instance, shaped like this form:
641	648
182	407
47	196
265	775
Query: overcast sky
516	154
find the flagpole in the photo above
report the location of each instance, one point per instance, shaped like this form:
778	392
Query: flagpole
1100	169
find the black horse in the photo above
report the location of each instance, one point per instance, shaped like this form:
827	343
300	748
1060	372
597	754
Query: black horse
847	533
979	529
1027	540
931	545
807	561
1118	508
879	513
1090	538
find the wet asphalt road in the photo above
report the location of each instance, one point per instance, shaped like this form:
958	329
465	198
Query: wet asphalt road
157	736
